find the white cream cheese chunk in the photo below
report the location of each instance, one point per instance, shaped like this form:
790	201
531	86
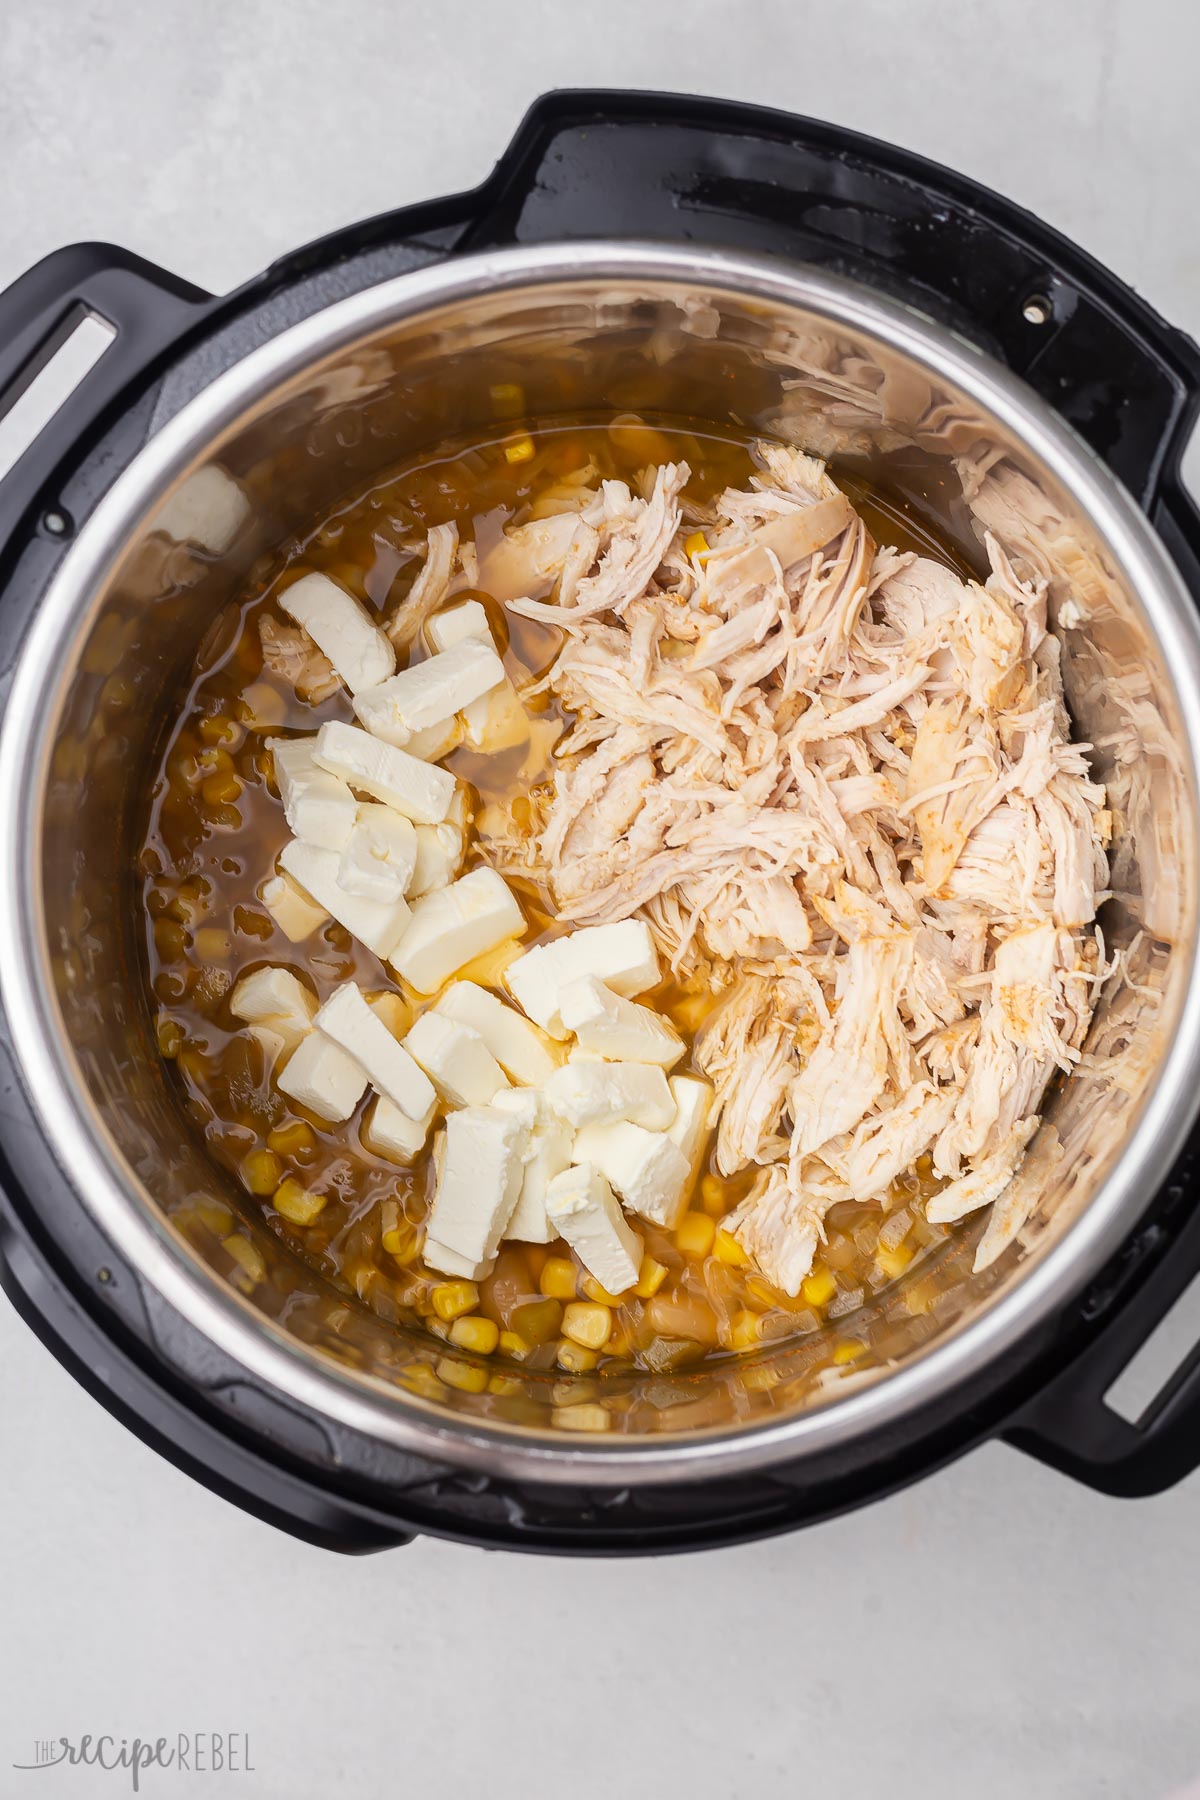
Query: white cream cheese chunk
342	627
693	1108
520	1048
376	923
388	1132
479	1179
456	1059
617	1028
439	857
275	997
591	1092
497	720
648	1171
319	808
452	926
427	694
581	1208
387	1065
208	510
449	1262
420	790
380	854
547	1155
622	956
295	912
323	1078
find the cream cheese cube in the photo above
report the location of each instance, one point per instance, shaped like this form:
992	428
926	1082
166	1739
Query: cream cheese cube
449	1262
548	1154
622	956
456	1059
617	1028
520	1048
693	1109
342	627
601	1093
380	854
295	912
421	791
480	1177
321	1077
376	923
390	1133
648	1171
582	1209
465	623
387	1065
319	808
426	694
453	925
273	996
209	510
439	857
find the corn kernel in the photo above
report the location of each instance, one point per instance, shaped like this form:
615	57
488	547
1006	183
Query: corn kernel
170	1037
212	945
221	730
592	1288
503	1384
694	1234
514	1345
537	1321
712	1190
261	1170
419	1378
728	1250
475	1333
696	545
587	1416
247	1255
520	452
651	1276
216	1215
819	1288
468	1378
848	1351
299	1204
508	399
221	788
745	1332
893	1261
760	1378
576	1359
557	1279
587	1324
296	1139
453	1298
402	1242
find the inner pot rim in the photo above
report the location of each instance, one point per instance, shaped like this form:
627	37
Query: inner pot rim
91	1160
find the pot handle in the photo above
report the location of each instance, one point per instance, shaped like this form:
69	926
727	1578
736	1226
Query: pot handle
1069	1423
146	309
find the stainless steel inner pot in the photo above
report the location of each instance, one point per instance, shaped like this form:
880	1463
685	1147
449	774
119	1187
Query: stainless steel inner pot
595	329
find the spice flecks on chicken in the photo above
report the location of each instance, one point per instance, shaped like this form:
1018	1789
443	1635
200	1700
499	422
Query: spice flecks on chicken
838	784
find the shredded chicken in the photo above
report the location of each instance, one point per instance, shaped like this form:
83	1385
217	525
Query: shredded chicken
838	783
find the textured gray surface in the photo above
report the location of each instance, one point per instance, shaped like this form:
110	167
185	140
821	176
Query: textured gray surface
993	1632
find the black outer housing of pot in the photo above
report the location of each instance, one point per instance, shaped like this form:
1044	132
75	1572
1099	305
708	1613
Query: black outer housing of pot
599	165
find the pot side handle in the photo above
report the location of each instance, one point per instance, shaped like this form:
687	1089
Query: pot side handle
1069	1423
146	310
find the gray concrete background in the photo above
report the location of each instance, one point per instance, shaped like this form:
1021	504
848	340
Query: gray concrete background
993	1632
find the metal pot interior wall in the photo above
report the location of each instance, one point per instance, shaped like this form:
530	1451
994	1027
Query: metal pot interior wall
580	349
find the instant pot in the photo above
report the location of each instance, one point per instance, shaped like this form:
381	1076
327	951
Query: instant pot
629	253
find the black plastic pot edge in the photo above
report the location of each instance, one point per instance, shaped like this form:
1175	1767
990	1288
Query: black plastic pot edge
710	172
